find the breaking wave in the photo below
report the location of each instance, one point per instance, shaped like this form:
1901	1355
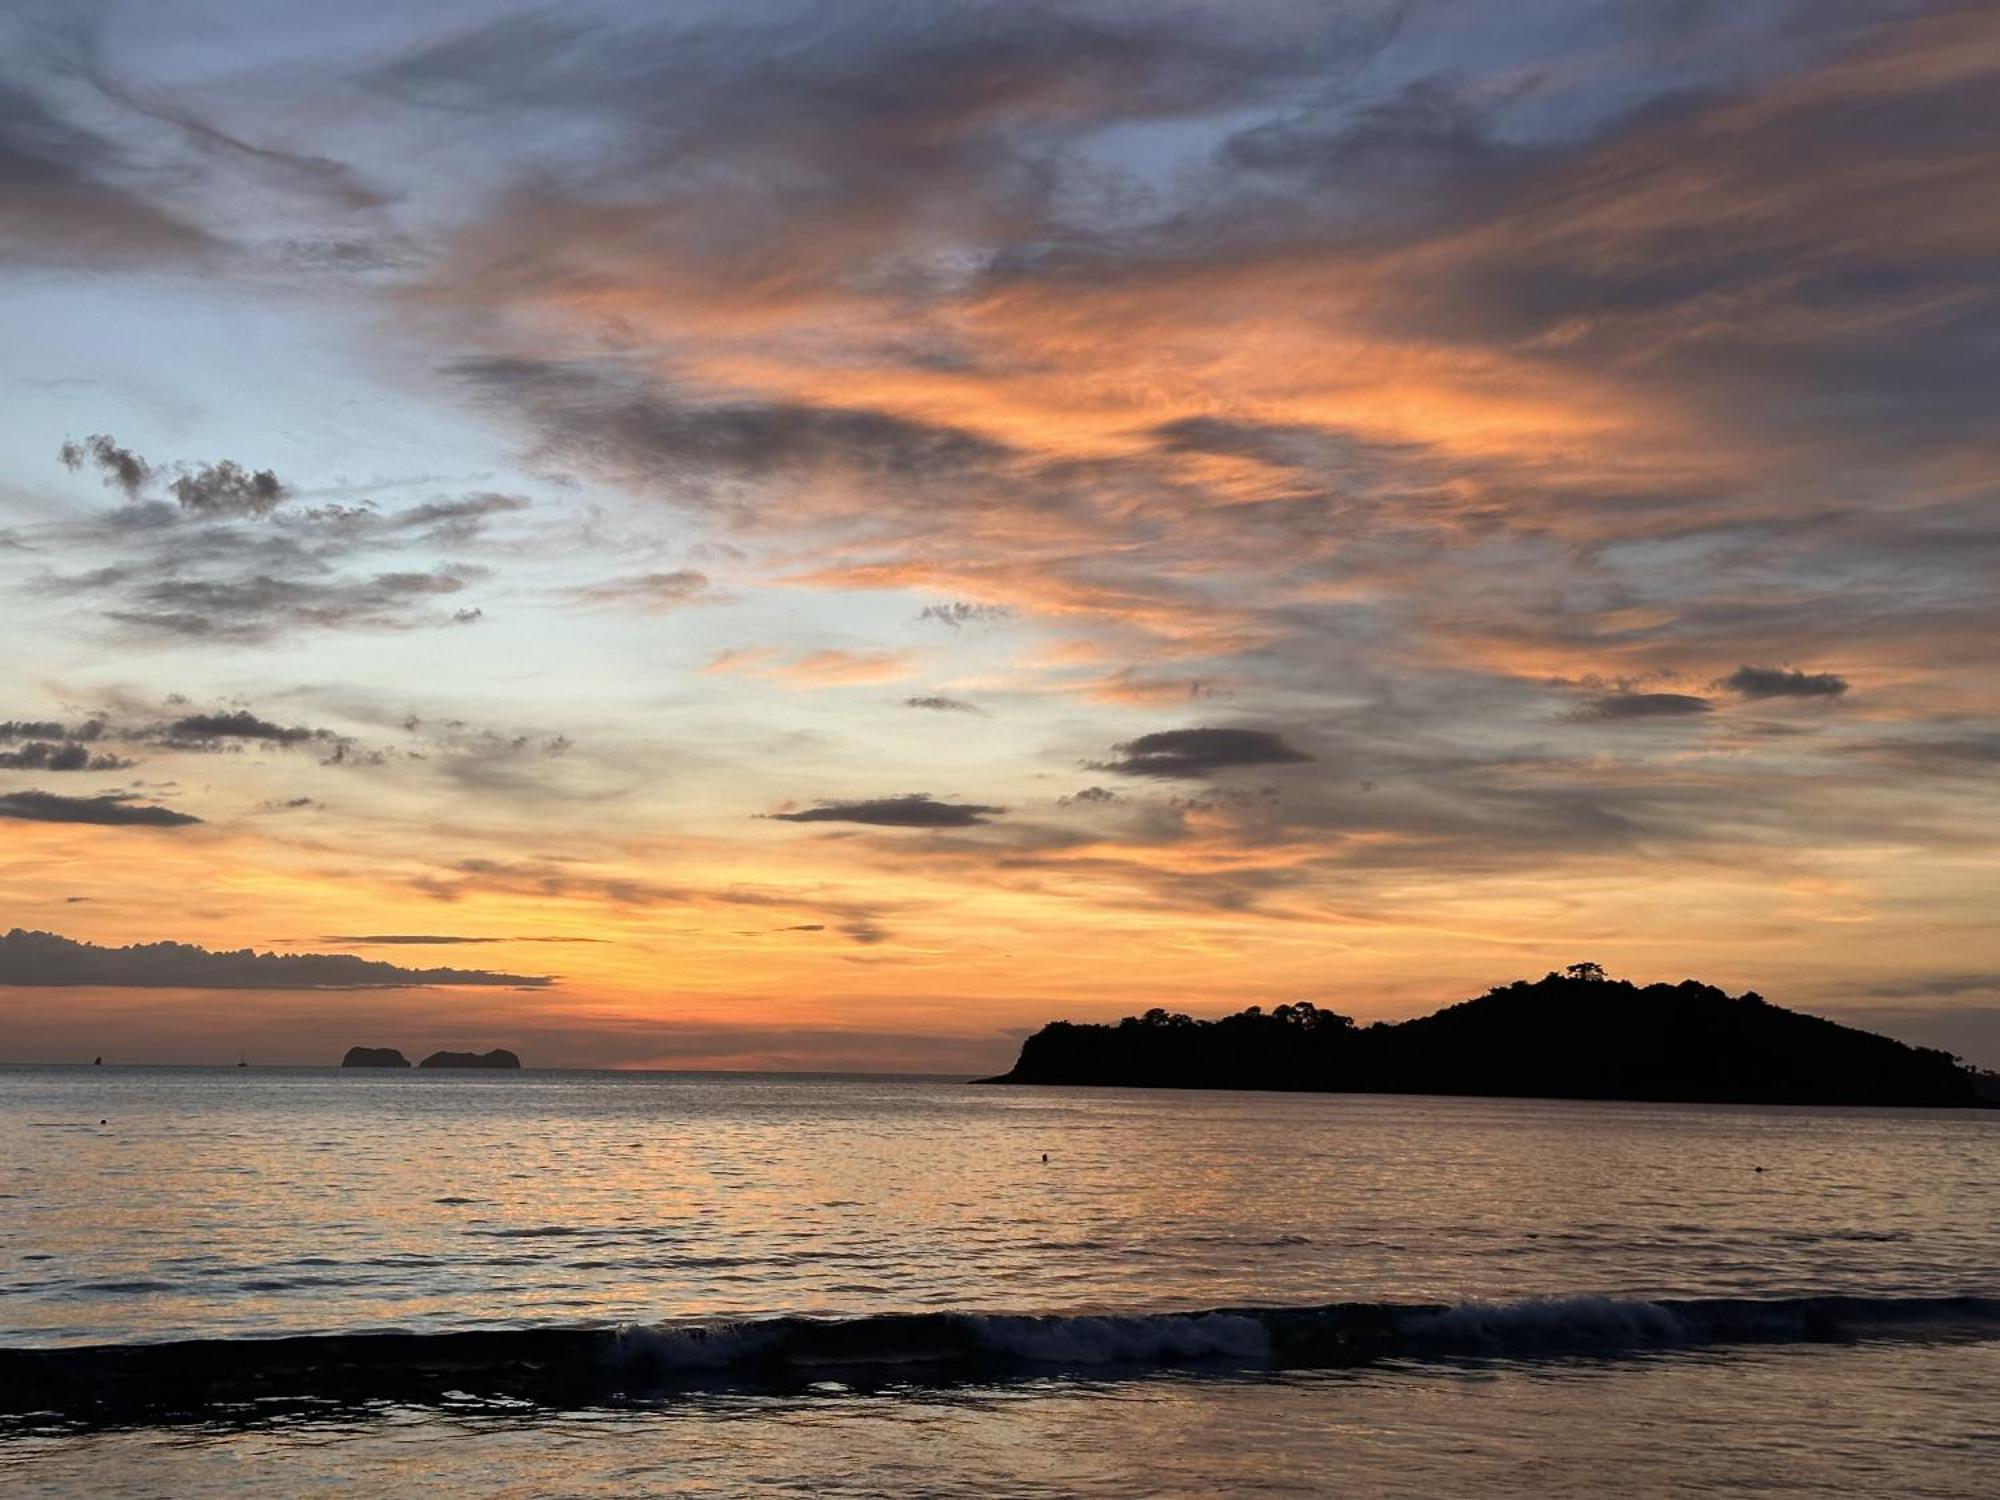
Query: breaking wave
576	1364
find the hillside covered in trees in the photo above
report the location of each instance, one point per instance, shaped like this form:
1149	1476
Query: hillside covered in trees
1573	1035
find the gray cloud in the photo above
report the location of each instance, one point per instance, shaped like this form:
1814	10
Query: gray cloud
48	729
208	731
228	489
960	613
197	570
114	809
542	766
1642	706
69	197
60	755
911	810
119	465
44	745
1087	796
230	583
604	417
1200	752
455	521
299	176
211	491
937	703
88	732
1434	136
1949	755
908	79
262	606
44	958
1777	682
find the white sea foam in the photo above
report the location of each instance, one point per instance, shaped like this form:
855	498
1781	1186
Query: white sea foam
713	1346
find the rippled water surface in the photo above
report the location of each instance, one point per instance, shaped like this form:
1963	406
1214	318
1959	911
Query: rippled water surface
252	1202
158	1205
1793	1424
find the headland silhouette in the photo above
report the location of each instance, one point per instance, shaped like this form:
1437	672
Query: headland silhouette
1570	1035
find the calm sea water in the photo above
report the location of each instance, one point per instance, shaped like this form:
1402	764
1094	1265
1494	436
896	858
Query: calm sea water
162	1206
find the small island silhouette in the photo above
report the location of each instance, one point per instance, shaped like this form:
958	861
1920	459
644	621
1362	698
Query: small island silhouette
499	1057
374	1057
389	1057
1572	1035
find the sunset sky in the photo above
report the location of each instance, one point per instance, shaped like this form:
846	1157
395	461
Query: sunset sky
826	536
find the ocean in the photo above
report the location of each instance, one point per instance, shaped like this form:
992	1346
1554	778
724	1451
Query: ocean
311	1281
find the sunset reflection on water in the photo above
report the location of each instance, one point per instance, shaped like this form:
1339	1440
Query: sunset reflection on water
218	1202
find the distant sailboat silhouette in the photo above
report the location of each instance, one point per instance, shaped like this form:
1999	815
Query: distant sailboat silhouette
242	1060
97	1062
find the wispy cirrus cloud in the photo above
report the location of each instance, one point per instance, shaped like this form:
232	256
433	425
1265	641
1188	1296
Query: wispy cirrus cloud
654	593
829	667
569	880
